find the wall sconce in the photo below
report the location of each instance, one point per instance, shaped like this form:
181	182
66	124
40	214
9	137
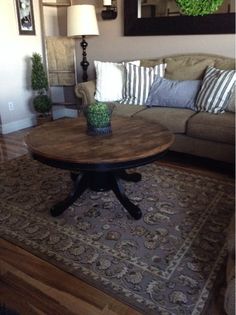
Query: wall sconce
110	13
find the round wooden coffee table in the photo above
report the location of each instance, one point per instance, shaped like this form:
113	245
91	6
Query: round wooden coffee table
99	162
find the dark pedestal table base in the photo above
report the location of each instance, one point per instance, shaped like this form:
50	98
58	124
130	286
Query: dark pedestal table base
100	181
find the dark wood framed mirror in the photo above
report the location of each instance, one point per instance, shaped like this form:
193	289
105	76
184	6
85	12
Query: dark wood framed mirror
223	23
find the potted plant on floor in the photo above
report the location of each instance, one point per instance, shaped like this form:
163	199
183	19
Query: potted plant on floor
98	117
42	102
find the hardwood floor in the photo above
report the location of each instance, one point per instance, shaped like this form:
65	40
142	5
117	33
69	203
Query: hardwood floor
32	286
12	145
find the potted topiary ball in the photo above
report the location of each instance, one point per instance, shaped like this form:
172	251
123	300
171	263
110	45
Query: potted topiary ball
39	82
98	117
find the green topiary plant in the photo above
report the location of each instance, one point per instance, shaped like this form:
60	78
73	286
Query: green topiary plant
98	117
42	104
39	82
198	7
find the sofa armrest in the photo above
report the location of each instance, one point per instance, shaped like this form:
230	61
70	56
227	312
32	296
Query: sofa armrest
86	91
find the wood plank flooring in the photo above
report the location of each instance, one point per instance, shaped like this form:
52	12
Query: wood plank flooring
32	286
12	145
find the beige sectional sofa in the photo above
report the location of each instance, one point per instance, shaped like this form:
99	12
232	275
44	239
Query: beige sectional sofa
198	133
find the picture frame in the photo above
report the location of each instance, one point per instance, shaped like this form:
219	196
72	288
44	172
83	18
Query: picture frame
175	25
25	16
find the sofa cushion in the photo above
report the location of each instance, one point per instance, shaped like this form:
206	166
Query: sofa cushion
173	93
126	110
175	119
219	128
216	90
187	67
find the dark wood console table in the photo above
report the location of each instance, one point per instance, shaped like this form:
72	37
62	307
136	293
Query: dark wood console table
99	162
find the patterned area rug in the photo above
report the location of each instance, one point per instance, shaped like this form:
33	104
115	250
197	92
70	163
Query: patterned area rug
165	263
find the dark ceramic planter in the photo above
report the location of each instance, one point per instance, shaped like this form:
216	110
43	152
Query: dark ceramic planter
94	131
43	119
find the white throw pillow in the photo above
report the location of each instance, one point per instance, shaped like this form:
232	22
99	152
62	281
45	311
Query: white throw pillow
110	80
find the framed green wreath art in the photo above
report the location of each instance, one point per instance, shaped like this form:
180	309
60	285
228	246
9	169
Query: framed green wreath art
198	7
184	24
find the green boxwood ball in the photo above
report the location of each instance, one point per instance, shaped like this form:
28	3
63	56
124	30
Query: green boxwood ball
98	115
198	7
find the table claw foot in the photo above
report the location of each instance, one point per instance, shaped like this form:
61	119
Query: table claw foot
60	207
80	185
118	190
73	176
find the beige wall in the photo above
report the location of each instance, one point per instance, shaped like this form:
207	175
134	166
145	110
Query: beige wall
16	51
111	45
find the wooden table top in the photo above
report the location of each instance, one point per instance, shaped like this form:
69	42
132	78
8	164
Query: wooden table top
67	141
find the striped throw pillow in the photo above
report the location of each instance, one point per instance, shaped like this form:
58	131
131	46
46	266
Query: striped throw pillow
139	81
215	90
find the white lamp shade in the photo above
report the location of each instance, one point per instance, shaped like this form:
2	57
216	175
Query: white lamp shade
81	20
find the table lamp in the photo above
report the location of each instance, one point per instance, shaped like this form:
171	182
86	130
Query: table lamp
81	22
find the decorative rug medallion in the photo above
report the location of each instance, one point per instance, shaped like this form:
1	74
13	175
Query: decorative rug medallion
164	264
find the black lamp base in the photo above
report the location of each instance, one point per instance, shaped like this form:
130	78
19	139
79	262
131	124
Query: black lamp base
84	63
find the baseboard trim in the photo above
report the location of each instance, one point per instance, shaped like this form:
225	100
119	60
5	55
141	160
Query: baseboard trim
32	121
71	112
64	112
18	125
